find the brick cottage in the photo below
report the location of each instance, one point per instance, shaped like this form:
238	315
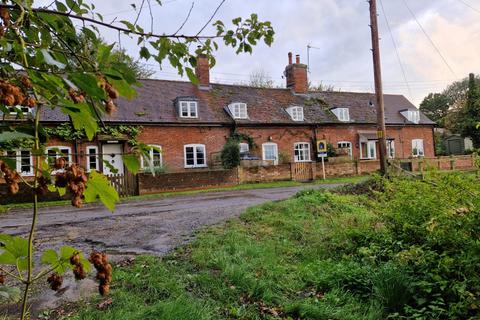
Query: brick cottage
191	123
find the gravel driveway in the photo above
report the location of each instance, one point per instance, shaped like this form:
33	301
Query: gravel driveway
153	226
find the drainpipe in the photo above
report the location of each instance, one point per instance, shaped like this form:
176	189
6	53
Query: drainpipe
75	150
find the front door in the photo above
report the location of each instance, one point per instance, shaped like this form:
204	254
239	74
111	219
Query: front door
112	153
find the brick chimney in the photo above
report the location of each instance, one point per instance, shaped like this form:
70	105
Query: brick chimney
296	74
202	71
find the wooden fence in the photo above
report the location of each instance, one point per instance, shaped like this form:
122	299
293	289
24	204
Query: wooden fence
125	184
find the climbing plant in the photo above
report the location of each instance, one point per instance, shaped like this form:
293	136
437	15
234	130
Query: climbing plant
67	132
52	57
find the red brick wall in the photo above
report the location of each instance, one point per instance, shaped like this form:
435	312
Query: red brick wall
186	180
403	137
264	174
285	138
172	140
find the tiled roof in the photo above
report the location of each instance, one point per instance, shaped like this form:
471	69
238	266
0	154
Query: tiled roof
155	103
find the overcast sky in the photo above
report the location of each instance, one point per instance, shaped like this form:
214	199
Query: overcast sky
340	31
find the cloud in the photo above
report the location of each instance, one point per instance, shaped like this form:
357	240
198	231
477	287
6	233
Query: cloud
340	29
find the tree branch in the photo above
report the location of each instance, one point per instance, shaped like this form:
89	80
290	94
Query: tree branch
186	19
211	18
107	25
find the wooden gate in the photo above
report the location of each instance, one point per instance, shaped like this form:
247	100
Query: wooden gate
302	171
126	184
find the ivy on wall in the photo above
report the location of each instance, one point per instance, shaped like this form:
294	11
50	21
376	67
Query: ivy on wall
239	137
66	132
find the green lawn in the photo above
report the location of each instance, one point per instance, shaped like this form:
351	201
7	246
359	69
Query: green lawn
249	186
406	249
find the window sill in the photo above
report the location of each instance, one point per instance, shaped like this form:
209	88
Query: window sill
195	167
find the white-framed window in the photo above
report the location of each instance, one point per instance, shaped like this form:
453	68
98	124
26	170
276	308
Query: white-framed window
155	158
92	158
391	149
57	152
15	109
270	152
296	113
413	116
368	150
301	152
188	109
342	114
244	148
23	161
417	148
345	145
195	156
239	110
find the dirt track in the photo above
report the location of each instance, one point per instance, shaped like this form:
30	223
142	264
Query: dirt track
152	226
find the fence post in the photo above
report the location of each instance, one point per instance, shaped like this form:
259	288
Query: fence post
452	164
239	169
292	174
314	170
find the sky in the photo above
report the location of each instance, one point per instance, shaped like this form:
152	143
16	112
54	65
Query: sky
436	41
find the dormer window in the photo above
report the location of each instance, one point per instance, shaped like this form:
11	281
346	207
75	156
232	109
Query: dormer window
342	114
413	116
296	113
188	109
238	110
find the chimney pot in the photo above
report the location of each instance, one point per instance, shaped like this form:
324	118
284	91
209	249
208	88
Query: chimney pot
296	75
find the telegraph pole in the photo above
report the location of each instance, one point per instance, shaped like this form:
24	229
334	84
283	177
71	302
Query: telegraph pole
381	129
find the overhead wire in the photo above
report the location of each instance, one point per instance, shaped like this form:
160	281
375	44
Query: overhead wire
396	50
429	38
468	5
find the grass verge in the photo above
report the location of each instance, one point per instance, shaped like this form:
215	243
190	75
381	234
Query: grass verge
406	251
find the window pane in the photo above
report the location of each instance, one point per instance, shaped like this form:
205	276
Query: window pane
25	162
190	156
200	155
270	152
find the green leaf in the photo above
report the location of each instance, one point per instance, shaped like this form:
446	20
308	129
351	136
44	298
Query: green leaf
98	186
82	116
191	75
131	162
13	135
61	191
14	251
61	261
49	257
11	162
144	53
88	83
124	89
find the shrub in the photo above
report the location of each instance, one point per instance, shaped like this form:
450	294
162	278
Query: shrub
230	155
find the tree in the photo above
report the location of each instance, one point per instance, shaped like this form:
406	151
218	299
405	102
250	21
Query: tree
52	57
443	107
140	70
436	107
321	87
469	115
261	79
